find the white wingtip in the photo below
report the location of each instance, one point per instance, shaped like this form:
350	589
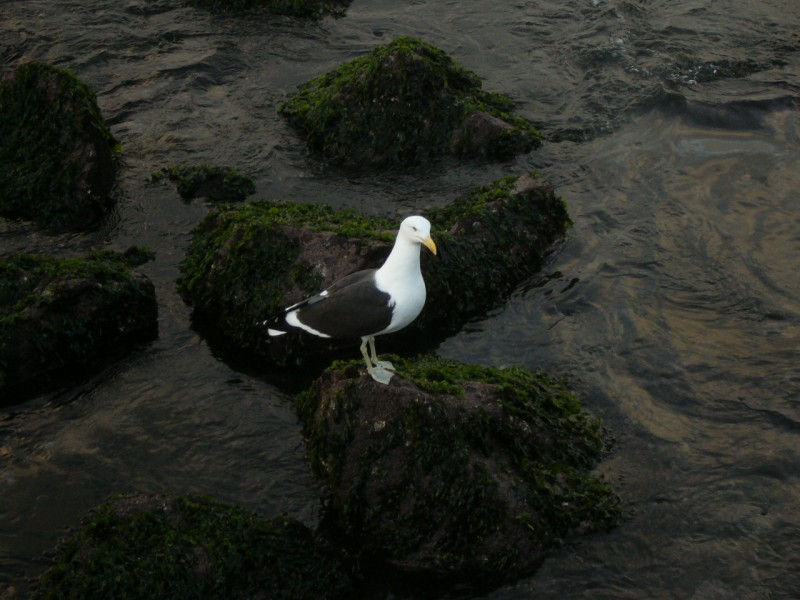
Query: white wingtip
275	332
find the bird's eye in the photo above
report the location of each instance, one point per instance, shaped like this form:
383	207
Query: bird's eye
413	227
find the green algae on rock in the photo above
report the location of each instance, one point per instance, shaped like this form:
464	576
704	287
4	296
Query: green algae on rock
405	103
246	263
454	470
308	9
490	240
207	181
139	546
58	158
63	318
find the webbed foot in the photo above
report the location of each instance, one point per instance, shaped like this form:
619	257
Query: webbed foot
384	364
381	375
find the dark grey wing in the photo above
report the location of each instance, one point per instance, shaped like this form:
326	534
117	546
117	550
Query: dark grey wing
347	280
352	307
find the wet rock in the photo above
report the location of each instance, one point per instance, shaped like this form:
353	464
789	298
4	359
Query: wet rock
477	132
403	104
455	472
490	240
208	181
308	9
154	546
246	263
57	156
61	319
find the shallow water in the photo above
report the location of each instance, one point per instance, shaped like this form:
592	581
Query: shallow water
673	306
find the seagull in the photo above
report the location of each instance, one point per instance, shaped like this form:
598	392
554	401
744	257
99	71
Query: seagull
368	303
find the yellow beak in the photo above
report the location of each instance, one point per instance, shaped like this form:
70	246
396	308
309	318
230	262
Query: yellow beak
429	244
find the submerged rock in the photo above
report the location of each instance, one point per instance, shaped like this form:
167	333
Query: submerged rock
309	9
57	156
405	103
454	471
246	263
153	546
208	181
62	318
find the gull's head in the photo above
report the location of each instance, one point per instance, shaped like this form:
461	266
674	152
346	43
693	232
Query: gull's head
417	230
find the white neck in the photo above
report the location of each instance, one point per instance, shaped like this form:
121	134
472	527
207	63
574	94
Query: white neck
402	263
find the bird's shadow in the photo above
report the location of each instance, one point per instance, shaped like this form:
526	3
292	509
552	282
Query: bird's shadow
310	356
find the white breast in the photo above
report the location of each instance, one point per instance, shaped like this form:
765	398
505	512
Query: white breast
408	295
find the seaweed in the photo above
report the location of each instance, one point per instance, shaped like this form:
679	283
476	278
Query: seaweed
62	317
458	469
137	546
217	183
58	158
246	263
242	265
398	105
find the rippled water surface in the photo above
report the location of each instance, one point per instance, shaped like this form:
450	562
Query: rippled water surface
673	306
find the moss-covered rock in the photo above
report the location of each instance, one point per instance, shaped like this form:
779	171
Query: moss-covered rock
454	470
62	318
57	156
490	240
246	263
308	9
151	546
207	181
405	103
